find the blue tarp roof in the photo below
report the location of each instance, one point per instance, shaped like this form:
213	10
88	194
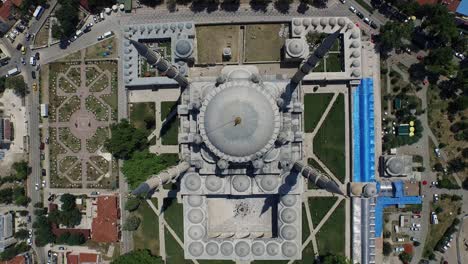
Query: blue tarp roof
363	132
463	8
398	199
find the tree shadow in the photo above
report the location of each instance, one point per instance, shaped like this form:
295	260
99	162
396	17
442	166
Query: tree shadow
230	5
302	7
151	3
282	6
417	72
259	5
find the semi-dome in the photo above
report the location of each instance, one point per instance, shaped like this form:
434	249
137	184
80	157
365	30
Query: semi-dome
295	48
395	166
239	121
183	48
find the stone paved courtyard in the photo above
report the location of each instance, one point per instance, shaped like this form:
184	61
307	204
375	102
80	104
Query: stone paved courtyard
83	105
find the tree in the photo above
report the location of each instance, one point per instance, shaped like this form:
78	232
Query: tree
38	205
405	257
21	234
70	218
125	140
387	249
143	164
465	184
43	232
22	200
12	251
132	223
132	204
2	84
97	5
76	239
394	34
68	201
137	257
17	84
67	17
6	195
457	164
440	24
439	61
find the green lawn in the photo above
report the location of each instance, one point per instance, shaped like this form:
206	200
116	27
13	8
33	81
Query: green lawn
69	140
75	75
334	62
308	256
97	140
329	143
101	83
365	5
147	235
173	214
217	261
331	237
319	207
66	86
143	116
174	252
68	108
320	67
315	105
169	134
263	42
98	108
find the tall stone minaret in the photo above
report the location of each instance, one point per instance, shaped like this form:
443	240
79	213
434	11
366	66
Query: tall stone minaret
310	63
163	65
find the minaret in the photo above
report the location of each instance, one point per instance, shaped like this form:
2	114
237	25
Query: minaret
164	66
162	178
310	63
318	178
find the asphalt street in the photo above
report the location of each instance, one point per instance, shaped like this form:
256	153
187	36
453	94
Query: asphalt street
142	15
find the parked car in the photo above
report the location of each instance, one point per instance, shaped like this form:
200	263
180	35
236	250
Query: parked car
19	46
44	172
343	1
437	152
436	197
23	61
33	74
36	187
352	9
37	56
367	20
373	25
359	14
51	198
43	183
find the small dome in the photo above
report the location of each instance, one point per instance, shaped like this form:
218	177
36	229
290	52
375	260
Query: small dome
370	190
192	181
355	63
297	31
289	200
195	216
180	26
297	22
213	183
142	28
127	66
241	183
315	22
341	21
195	200
395	166
165	26
222	164
323	22
258	164
258	248
306	22
295	48
356	189
212	248
289	249
188	25
269	182
332	21
157	26
354	35
350	25
355	44
355	54
288	215
196	249
149	27
173	27
196	232
288	232
356	73
272	249
242	249
227	248
183	48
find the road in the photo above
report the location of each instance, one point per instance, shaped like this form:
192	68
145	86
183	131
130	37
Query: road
145	15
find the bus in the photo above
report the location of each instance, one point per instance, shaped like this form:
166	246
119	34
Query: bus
38	12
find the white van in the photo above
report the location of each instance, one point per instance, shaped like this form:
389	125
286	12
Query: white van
32	61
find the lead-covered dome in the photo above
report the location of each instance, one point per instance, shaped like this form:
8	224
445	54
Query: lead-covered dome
239	121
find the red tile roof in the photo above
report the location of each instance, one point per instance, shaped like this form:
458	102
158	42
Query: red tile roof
451	4
88	258
427	2
59	231
17	2
15	260
105	226
5	8
84	4
6	129
72	259
81	258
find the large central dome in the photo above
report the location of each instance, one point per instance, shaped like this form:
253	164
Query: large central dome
239	121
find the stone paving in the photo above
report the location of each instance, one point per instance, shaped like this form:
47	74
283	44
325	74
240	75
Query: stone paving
82	123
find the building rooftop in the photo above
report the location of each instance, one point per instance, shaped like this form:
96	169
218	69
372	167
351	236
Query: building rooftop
15	260
81	258
105	226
